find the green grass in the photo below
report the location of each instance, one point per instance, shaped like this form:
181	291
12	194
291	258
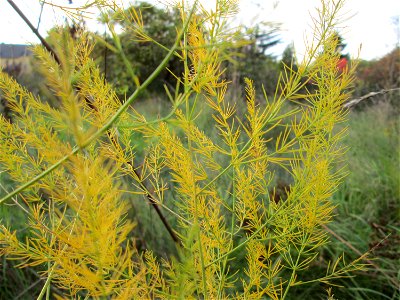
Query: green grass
368	204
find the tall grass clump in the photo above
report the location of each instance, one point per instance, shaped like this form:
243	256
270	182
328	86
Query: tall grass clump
77	176
369	202
374	158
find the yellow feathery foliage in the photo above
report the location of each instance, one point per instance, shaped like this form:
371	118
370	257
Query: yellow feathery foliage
78	180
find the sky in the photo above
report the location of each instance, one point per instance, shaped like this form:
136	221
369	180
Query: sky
372	24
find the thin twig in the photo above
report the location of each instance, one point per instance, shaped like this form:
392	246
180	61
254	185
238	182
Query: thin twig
154	204
34	30
40	279
353	102
28	289
40	15
358	252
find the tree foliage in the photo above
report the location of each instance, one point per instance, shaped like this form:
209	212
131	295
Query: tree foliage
376	75
158	25
254	60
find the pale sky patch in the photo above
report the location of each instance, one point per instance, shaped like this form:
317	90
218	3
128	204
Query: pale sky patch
372	23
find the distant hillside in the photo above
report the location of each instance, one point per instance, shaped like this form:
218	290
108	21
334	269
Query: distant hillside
15	58
9	51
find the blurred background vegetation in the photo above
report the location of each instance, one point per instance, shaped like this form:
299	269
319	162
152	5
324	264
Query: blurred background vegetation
368	202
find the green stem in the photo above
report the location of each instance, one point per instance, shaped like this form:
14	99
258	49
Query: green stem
221	283
189	115
40	176
238	246
121	52
224	170
292	276
46	287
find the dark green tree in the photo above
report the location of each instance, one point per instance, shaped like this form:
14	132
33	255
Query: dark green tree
254	60
144	55
289	58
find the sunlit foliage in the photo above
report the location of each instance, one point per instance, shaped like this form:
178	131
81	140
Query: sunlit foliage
71	163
